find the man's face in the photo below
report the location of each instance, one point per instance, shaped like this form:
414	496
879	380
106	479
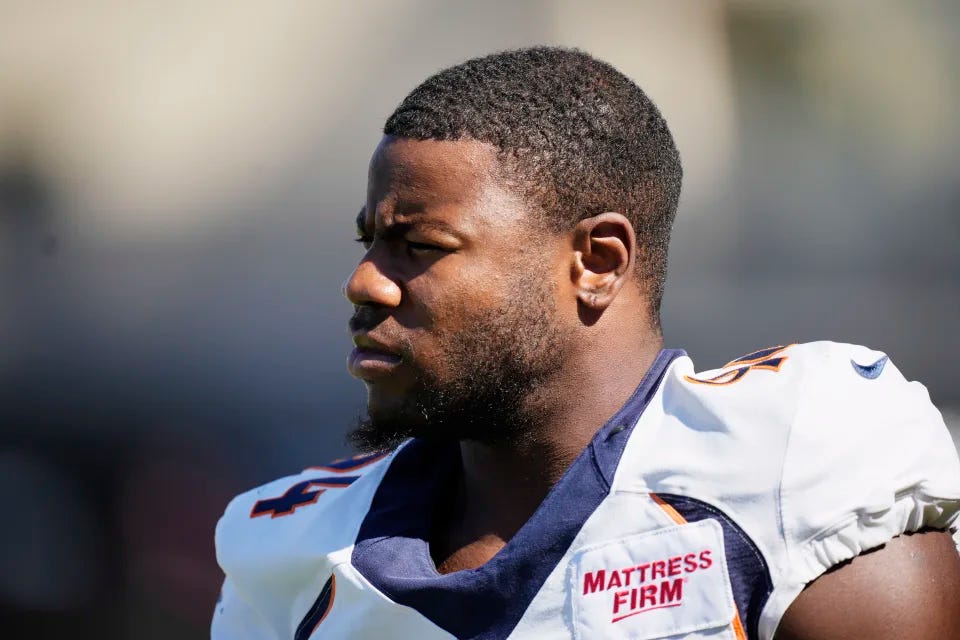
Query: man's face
457	317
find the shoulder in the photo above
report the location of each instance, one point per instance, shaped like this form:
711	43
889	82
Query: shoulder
835	426
786	387
813	452
794	364
275	542
781	401
266	526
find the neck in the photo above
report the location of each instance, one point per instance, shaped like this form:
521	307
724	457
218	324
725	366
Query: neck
502	485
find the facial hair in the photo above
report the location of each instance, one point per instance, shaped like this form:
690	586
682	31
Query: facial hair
497	361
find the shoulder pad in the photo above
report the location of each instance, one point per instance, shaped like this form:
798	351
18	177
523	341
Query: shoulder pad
315	512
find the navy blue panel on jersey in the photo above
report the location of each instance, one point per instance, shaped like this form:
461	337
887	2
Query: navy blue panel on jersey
392	549
321	607
759	355
749	574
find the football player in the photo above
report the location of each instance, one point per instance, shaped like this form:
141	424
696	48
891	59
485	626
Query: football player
538	465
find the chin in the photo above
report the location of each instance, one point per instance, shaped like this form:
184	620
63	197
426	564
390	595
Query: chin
385	407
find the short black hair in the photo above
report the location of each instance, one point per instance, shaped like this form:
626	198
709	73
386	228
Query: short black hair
574	134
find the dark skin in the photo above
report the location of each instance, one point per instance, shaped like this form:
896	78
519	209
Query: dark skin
908	588
443	233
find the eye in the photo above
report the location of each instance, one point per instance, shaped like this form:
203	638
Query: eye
421	247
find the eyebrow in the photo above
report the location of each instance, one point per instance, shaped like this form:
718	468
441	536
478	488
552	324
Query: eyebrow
438	225
406	222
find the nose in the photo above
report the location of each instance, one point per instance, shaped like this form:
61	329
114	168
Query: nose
367	285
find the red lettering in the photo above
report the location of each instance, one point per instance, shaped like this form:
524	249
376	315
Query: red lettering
593	581
648	595
626	575
705	561
614	580
619	599
671	591
673	566
633	598
643	571
690	562
659	570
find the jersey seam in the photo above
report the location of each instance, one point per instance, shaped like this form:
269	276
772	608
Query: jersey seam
774	598
781	519
608	486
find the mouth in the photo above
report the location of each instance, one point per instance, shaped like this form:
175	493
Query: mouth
370	359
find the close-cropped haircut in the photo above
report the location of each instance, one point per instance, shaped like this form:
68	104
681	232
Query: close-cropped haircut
575	136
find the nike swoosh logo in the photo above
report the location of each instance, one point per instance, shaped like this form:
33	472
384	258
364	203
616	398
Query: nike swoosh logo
870	371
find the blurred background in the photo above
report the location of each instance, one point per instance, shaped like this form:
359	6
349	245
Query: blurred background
178	184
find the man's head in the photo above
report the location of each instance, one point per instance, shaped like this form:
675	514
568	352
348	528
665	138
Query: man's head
510	202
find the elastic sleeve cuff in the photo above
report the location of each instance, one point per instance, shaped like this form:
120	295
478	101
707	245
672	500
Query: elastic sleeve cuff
912	510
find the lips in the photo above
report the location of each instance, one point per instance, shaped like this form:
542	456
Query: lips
371	359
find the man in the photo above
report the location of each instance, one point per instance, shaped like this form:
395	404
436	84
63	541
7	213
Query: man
545	469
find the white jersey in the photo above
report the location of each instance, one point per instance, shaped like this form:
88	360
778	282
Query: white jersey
700	510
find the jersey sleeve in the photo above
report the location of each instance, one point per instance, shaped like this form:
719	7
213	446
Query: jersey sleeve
868	458
275	541
234	619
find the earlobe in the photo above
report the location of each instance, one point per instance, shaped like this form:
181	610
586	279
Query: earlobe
604	253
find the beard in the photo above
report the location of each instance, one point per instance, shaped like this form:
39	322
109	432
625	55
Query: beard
497	362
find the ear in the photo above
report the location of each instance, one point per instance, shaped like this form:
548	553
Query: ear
605	248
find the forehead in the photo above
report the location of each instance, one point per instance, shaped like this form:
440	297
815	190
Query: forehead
454	179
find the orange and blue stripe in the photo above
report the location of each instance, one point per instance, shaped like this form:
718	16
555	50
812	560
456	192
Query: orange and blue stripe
749	575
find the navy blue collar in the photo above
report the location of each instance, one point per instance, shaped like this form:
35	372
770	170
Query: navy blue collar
392	550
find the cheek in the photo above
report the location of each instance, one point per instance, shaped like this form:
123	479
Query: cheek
462	293
443	301
447	318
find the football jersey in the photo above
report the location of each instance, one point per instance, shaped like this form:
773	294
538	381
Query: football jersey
701	509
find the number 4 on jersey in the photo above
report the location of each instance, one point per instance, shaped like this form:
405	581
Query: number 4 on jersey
307	491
